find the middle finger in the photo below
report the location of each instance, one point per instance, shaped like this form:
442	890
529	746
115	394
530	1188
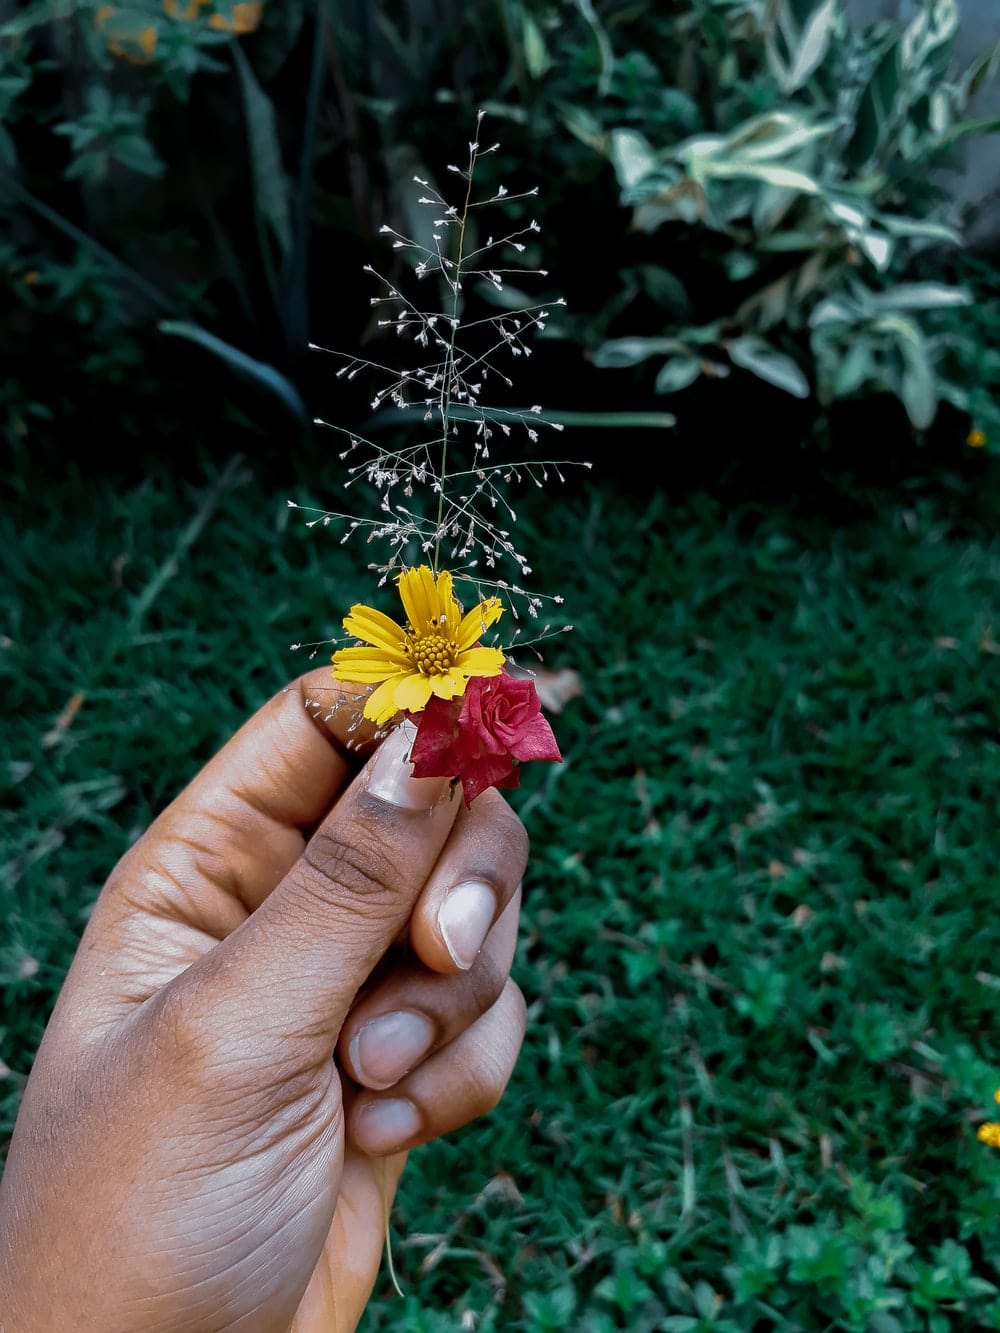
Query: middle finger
413	1011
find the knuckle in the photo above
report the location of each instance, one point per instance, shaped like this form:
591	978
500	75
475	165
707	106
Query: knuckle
365	872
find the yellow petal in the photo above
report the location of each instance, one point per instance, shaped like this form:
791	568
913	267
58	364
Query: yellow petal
426	599
477	621
381	704
449	685
364	622
416	589
364	664
480	662
413	693
366	653
447	606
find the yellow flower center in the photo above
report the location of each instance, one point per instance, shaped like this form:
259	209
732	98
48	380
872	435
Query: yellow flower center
431	654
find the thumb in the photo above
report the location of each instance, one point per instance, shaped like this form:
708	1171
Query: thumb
293	968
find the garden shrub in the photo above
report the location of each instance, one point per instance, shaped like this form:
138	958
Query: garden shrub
731	186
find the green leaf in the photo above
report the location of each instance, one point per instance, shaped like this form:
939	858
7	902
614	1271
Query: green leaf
620	352
683	201
981	72
270	186
631	156
659	284
933	27
757	356
677	374
536	55
875	247
760	138
978	125
835	310
814	44
917	389
876	105
919	229
605	51
47	11
258	371
706	1300
856	368
138	154
921	296
582	420
549	1310
795	136
585	126
787	177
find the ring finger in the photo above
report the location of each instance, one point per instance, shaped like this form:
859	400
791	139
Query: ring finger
464	1080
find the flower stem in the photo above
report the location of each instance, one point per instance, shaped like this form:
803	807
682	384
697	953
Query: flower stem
384	1181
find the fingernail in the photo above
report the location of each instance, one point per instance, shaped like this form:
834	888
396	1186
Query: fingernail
386	1124
464	920
389	1046
389	774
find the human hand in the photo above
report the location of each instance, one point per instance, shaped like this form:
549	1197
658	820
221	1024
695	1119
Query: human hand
188	1154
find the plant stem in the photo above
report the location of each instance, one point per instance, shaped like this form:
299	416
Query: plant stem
449	364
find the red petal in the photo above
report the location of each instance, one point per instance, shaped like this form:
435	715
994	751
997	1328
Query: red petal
490	771
536	741
432	754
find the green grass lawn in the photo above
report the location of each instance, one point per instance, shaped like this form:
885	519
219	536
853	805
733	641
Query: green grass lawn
761	948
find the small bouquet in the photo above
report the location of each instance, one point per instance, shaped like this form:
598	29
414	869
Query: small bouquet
475	722
439	664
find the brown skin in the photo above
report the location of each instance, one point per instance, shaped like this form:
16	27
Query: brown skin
188	1156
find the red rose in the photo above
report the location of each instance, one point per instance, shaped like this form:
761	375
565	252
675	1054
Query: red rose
482	737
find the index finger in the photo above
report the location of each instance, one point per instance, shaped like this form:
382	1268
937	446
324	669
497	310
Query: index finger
240	825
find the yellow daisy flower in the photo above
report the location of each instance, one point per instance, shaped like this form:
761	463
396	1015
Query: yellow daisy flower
434	654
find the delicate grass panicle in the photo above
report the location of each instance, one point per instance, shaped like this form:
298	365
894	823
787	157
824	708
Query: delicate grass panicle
442	514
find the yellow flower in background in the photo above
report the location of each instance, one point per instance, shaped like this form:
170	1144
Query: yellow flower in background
125	35
434	654
245	18
975	439
990	1132
241	19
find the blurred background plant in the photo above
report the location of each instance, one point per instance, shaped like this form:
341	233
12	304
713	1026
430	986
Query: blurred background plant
793	178
748	186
